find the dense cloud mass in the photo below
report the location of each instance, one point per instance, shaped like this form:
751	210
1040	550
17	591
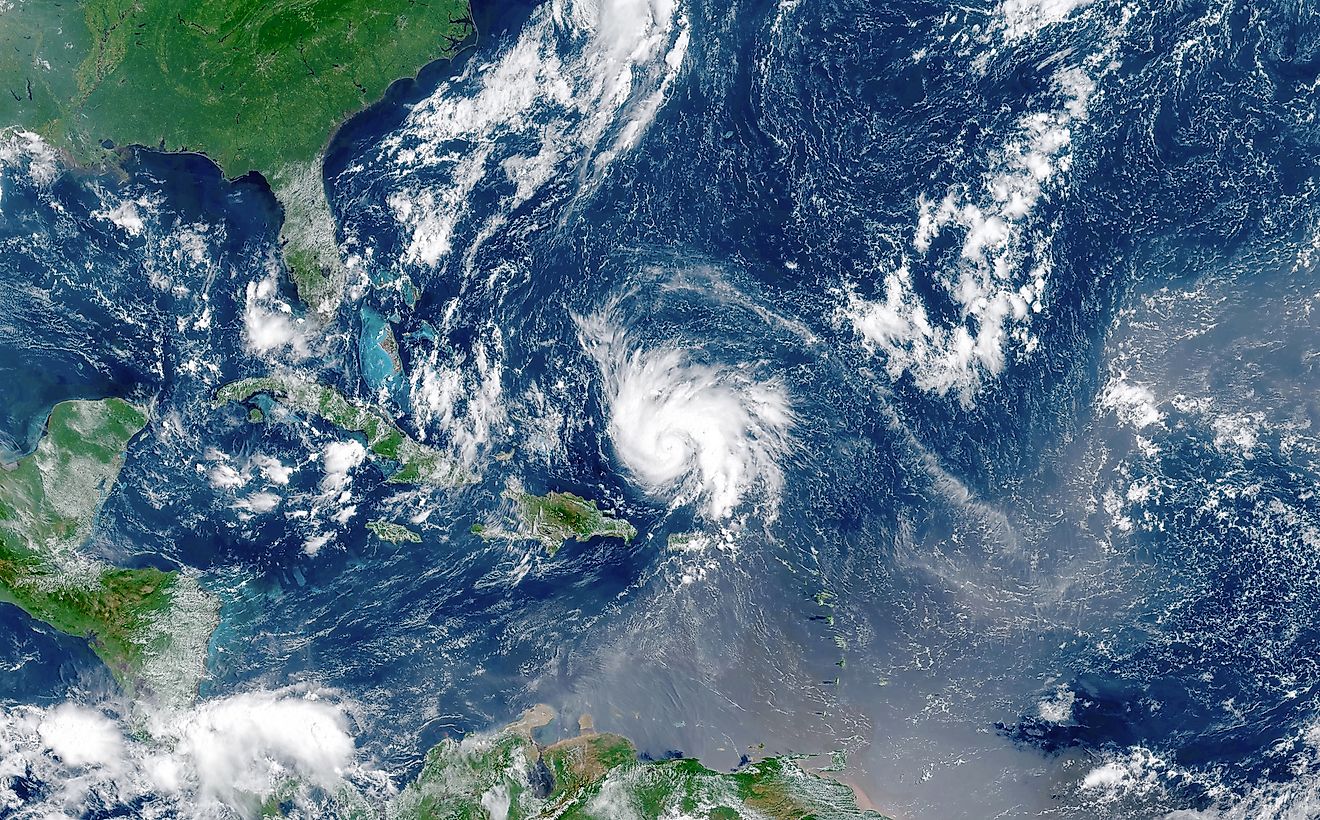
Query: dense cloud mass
922	391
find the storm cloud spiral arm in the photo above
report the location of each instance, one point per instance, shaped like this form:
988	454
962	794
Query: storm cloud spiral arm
659	408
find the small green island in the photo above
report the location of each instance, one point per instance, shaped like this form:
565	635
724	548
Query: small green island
417	463
599	776
149	626
256	85
387	530
557	517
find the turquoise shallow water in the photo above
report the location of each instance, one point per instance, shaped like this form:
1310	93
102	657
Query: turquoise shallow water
970	349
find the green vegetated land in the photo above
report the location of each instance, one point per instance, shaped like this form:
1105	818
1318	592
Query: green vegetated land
600	776
387	530
556	517
417	463
257	85
150	627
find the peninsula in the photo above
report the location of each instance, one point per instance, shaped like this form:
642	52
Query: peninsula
149	626
256	85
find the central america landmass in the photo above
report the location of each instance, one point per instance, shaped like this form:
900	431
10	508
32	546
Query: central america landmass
261	86
151	628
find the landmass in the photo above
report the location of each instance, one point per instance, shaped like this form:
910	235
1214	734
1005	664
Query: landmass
378	353
599	775
687	541
256	85
557	517
392	532
149	626
417	463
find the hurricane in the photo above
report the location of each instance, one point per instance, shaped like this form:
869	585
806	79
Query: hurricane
708	434
659	408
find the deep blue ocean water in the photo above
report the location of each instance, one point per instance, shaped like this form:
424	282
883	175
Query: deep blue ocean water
1033	284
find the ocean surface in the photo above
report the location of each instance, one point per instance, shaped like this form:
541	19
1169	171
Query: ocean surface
957	364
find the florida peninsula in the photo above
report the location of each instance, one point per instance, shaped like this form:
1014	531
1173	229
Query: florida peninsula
256	85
